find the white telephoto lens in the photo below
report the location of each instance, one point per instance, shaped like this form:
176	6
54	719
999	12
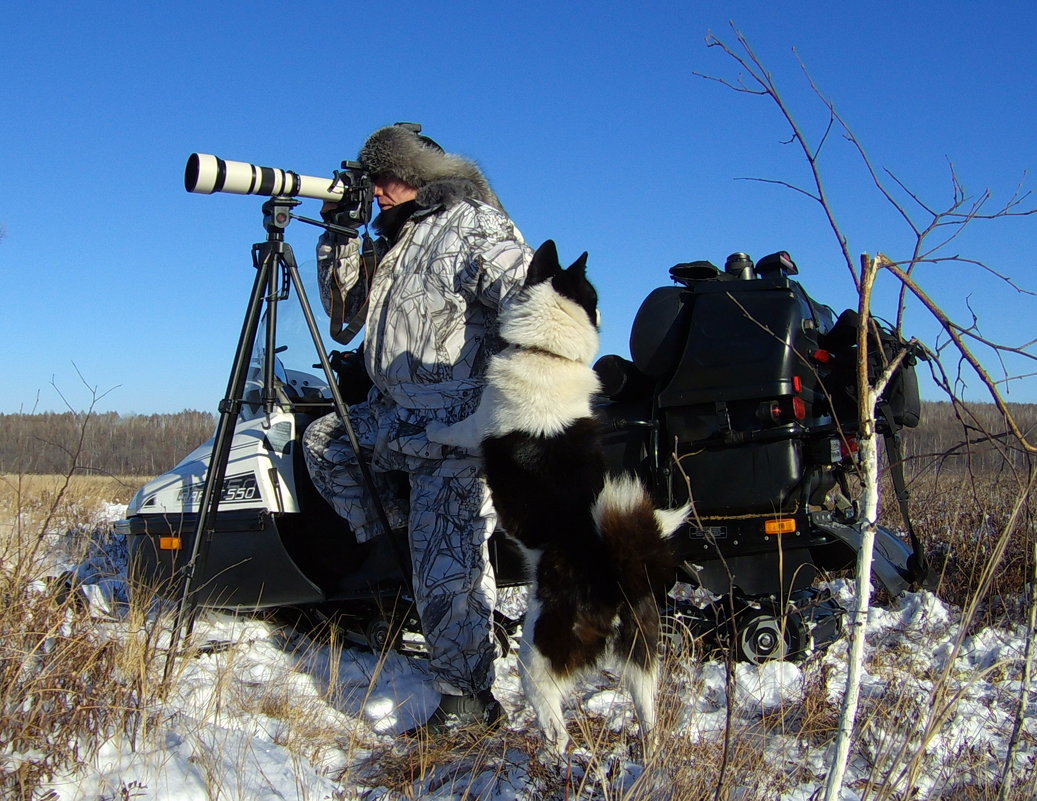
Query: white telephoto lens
205	174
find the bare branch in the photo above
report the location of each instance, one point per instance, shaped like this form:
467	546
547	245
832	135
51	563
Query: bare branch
767	87
956	335
957	259
785	184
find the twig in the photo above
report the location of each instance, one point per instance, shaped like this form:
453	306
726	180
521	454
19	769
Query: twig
768	88
966	353
1024	690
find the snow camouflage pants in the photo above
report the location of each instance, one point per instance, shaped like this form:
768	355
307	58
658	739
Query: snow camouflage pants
450	520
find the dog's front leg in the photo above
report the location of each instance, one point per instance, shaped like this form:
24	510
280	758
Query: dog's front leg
466	433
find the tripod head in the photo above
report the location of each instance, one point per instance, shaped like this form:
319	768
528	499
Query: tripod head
277	213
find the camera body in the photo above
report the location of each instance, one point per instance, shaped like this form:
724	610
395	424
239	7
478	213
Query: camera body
354	209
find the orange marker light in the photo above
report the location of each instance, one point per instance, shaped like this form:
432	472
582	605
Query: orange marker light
782	525
170	543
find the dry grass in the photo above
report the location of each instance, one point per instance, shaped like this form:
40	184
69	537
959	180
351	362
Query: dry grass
67	685
31	493
64	686
959	517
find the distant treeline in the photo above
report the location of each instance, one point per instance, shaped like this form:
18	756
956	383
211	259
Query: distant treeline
125	445
147	445
974	436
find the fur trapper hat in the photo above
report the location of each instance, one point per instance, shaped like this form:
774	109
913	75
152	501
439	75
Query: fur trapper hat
416	160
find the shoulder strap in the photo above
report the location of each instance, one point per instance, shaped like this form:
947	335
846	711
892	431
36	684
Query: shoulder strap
917	563
343	331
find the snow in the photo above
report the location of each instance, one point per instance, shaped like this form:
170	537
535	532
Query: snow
223	733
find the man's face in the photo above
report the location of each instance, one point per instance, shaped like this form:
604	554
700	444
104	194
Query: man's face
389	192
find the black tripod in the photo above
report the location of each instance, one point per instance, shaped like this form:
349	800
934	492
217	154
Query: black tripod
276	272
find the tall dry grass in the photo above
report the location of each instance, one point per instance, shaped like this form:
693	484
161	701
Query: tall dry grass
63	684
77	675
69	683
959	516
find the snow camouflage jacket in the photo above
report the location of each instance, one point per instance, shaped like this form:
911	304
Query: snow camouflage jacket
432	306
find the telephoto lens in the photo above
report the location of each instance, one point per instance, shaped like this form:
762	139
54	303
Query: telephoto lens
206	174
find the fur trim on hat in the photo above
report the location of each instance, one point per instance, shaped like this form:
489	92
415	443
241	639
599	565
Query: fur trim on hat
440	177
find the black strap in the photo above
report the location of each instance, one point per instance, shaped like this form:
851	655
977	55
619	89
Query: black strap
916	563
343	331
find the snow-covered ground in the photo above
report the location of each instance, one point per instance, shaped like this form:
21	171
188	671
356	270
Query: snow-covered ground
260	714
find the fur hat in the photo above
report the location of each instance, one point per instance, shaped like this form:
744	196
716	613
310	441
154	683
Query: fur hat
418	161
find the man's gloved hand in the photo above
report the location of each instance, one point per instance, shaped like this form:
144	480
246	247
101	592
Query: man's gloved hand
336	212
344	215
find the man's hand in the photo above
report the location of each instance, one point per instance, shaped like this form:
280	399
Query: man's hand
330	209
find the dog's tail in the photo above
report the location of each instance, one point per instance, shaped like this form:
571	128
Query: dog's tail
637	534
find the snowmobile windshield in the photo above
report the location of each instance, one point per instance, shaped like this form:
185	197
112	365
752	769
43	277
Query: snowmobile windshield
298	378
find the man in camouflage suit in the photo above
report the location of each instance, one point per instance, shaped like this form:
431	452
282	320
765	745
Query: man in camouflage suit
449	258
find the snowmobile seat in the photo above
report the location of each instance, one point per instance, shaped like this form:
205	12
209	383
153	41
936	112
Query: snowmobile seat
660	331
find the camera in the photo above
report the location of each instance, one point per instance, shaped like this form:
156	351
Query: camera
350	188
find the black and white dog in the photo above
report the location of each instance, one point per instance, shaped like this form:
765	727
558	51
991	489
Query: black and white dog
597	546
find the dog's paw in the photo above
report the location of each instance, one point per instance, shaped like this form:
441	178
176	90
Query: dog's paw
438	432
463	434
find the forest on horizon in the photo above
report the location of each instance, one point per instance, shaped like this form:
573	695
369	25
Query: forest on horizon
150	444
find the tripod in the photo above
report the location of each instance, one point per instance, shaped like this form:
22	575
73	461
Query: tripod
276	272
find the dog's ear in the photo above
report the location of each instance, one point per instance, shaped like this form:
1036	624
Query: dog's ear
544	264
579	267
572	283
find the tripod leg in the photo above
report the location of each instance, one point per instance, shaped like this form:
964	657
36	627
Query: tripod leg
229	408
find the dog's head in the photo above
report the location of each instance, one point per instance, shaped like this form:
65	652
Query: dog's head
557	310
569	283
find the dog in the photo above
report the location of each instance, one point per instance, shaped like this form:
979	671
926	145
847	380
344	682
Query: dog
597	547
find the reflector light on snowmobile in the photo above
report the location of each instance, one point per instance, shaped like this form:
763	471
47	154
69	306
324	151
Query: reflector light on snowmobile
822	356
782	411
781	525
799	408
797	384
170	544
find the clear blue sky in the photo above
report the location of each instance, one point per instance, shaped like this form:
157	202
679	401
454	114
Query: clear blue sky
587	117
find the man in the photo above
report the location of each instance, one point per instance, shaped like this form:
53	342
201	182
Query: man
449	259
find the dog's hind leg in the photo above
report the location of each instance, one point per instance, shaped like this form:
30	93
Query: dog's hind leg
636	648
545	690
641	683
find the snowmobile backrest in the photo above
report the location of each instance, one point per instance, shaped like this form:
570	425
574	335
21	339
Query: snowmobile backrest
740	342
621	380
660	331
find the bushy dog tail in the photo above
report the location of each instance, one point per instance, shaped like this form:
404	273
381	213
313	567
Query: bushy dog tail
637	535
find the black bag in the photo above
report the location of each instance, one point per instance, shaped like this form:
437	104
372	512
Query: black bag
901	397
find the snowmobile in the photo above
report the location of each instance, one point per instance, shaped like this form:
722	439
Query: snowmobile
738	396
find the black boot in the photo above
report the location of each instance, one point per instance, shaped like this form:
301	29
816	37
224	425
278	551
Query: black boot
456	712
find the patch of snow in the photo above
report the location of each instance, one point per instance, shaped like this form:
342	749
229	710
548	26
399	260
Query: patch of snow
221	734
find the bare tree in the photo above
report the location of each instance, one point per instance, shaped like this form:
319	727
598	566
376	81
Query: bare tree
932	230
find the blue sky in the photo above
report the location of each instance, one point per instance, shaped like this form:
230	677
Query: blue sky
587	117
